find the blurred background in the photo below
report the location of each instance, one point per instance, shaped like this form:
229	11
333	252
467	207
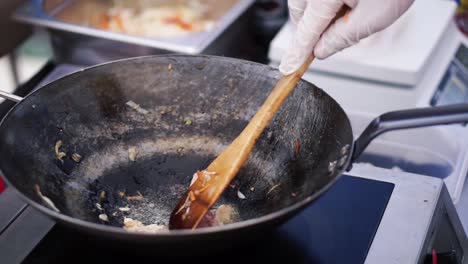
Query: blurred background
30	45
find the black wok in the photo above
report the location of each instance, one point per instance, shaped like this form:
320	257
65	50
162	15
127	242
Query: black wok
196	106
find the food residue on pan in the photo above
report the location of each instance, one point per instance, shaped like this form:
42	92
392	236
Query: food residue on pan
204	177
137	107
240	195
180	151
222	215
124	209
137	226
102	196
59	154
132	153
188	122
45	199
138	197
104	217
76	157
273	188
225	214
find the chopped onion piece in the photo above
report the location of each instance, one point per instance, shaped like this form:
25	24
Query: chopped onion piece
137	107
240	195
137	226
60	155
132	153
194	179
104	217
124	209
45	199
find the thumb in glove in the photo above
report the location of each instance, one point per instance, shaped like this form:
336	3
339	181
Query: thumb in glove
365	18
363	21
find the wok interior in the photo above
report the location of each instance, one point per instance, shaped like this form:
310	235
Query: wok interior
196	106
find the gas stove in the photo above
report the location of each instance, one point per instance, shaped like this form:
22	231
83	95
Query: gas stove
371	215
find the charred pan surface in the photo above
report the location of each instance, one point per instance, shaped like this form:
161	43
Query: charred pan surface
196	106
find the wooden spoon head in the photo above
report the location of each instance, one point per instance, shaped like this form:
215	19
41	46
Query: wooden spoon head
206	188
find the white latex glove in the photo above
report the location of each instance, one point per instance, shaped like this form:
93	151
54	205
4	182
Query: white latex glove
312	17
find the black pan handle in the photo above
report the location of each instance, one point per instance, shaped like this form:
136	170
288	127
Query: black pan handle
418	117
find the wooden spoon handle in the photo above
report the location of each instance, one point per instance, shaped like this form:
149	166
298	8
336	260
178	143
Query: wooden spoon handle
276	98
244	143
230	161
239	150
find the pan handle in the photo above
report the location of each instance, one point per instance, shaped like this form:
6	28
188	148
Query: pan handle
10	96
413	118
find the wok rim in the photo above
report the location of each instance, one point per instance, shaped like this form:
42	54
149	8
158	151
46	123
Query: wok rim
91	226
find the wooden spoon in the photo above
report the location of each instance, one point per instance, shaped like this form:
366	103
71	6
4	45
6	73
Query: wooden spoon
211	183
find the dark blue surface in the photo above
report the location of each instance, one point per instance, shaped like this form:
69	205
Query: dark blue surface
340	226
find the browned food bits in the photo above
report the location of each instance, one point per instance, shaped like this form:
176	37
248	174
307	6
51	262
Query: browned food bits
76	157
59	154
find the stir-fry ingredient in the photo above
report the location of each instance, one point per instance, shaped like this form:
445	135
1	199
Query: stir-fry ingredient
137	226
240	195
76	157
223	215
104	217
132	153
124	209
59	154
194	179
204	176
192	196
226	214
138	197
137	107
45	198
102	196
273	188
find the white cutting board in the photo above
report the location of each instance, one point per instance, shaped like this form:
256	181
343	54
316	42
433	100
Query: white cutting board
397	54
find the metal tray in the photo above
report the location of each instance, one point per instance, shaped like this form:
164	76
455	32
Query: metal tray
45	14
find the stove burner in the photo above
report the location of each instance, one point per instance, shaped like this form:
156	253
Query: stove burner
338	228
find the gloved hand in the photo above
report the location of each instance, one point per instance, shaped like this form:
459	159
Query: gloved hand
312	17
